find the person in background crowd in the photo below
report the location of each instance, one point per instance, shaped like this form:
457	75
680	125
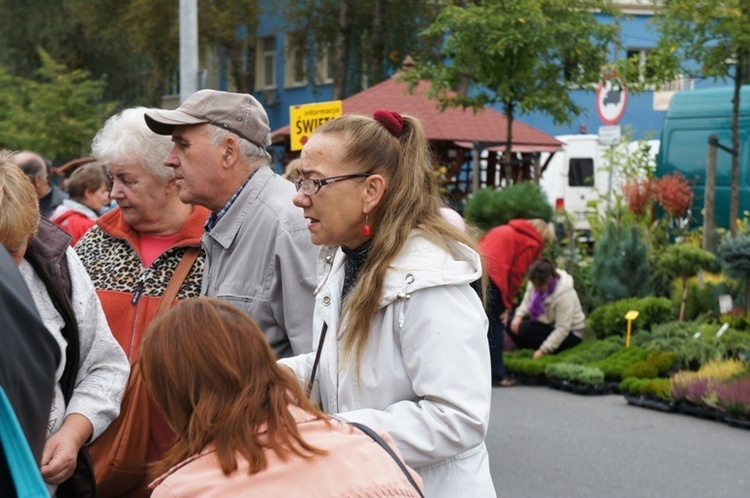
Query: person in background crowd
88	189
291	171
28	360
401	334
35	167
259	256
92	373
549	318
134	250
508	250
244	426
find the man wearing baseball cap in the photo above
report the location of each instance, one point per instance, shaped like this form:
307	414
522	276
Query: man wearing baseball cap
259	256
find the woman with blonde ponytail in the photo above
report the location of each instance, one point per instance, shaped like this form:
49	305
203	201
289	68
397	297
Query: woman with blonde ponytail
400	335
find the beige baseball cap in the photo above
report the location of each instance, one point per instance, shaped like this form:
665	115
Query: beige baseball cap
239	113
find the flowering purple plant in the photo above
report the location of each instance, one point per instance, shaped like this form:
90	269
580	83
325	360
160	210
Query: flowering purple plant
733	397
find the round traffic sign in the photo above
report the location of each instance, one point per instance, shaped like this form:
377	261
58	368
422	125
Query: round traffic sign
611	99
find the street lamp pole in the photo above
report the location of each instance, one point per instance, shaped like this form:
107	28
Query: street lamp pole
188	48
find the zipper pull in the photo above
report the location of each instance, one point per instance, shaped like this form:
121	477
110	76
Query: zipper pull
139	287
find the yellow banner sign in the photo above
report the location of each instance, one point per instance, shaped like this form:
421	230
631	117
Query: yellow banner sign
303	119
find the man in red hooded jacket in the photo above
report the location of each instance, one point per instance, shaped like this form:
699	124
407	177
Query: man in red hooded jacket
508	251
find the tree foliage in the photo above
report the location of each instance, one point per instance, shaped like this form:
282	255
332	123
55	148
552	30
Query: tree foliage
489	208
525	55
706	39
133	43
621	266
734	255
684	261
57	113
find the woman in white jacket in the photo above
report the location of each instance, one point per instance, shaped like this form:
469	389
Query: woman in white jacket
401	335
549	318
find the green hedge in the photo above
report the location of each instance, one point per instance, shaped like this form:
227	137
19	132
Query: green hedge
660	388
613	365
575	373
609	319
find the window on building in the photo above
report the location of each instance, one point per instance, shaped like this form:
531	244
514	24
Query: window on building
639	56
294	62
265	70
581	172
326	57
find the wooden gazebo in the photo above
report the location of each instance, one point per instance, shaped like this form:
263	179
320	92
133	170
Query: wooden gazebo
457	136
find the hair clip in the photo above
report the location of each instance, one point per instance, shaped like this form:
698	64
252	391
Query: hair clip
392	121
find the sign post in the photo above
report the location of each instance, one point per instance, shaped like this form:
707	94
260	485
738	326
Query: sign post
303	119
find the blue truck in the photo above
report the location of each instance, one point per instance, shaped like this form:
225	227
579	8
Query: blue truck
692	117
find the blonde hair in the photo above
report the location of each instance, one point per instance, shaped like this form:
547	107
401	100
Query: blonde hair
545	230
411	201
19	206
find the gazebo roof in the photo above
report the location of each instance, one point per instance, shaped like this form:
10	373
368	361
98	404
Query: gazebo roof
464	127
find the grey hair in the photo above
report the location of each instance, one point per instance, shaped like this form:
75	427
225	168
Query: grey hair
247	148
125	137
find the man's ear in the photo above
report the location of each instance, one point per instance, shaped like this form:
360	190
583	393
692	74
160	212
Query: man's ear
230	151
373	192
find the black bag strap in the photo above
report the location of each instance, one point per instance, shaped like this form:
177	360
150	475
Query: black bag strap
317	359
376	437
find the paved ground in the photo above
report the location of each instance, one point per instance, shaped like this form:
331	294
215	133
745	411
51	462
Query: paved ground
547	443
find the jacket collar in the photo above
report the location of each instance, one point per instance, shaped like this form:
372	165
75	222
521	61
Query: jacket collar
113	223
225	230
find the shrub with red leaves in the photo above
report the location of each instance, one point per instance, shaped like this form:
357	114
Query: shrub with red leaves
638	193
673	193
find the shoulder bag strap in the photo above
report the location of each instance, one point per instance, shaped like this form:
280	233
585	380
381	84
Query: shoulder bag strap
376	437
317	359
186	263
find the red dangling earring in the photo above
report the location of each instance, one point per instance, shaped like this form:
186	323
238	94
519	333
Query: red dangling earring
366	230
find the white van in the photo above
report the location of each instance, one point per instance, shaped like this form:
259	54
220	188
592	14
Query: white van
578	177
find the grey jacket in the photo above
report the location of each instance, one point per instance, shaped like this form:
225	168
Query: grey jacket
259	257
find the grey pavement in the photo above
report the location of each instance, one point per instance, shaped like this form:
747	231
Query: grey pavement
548	443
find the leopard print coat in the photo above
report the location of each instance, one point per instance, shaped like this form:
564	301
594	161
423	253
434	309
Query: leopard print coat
130	292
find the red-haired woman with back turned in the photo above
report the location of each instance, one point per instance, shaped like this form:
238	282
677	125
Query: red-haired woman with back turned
243	423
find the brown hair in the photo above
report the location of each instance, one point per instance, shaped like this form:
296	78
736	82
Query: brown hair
87	177
542	271
19	206
411	201
211	371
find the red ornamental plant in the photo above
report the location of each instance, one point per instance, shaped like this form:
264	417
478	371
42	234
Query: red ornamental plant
673	193
638	193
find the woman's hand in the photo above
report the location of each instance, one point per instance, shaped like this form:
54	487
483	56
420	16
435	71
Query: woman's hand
538	354
61	449
515	325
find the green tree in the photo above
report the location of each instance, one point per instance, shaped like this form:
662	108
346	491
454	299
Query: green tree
734	255
684	261
706	39
525	55
621	266
57	113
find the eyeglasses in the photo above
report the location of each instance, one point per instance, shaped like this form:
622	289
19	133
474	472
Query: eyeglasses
311	187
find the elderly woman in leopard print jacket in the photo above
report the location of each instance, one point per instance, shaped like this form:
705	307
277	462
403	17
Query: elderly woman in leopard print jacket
133	250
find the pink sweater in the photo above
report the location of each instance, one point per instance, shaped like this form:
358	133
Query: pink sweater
354	466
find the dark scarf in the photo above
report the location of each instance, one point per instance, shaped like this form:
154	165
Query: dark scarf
355	260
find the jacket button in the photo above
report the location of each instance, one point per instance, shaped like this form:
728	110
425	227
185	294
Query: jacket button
329	259
326	301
